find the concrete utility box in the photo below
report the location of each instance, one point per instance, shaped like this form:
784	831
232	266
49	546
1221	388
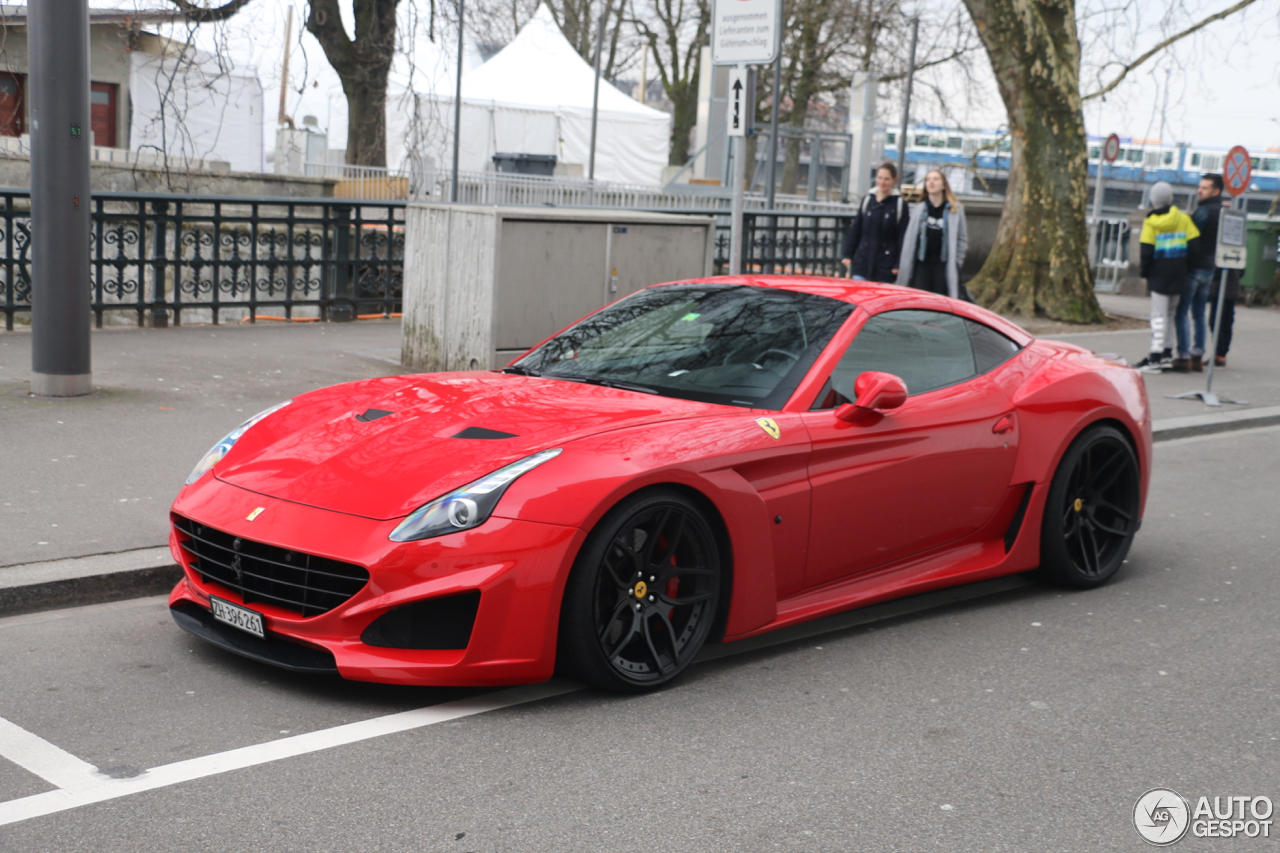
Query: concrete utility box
483	284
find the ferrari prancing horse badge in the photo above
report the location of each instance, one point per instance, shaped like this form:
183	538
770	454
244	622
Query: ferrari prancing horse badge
770	426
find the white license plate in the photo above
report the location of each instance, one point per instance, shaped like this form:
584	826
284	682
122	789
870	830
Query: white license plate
237	616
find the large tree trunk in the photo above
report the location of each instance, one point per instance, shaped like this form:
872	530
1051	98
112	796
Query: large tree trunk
362	63
366	123
1039	265
684	115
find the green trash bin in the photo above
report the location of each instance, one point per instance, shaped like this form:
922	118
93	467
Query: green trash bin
1259	277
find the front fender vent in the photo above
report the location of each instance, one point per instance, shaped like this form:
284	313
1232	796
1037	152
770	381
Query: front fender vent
432	623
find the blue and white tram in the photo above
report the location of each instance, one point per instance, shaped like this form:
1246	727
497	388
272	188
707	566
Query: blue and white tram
1140	160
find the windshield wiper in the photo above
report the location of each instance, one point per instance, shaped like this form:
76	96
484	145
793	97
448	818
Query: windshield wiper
623	386
607	383
520	371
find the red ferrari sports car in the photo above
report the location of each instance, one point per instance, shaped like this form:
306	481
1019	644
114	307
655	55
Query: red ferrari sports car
698	462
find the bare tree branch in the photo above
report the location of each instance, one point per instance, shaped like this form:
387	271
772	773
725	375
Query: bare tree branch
1162	45
204	15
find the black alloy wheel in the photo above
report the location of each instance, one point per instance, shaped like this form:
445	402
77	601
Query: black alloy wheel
1091	515
643	594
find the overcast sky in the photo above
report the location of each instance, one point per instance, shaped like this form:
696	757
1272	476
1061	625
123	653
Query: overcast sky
1218	88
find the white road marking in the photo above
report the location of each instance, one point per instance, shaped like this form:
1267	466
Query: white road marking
80	789
35	754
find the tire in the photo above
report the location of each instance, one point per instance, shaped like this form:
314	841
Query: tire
1091	514
642	596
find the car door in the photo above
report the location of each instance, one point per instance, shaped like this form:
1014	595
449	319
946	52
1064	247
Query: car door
908	479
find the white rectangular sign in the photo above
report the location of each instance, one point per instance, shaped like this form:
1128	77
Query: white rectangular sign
1230	252
745	32
741	102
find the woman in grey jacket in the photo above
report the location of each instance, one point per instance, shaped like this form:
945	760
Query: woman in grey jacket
937	238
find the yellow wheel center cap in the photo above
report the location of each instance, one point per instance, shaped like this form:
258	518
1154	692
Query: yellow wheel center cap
1079	504
641	589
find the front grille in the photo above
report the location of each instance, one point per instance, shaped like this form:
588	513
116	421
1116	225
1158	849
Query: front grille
305	583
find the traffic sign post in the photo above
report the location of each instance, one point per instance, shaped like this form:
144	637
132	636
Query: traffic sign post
1229	253
1236	171
742	100
743	33
1110	151
742	107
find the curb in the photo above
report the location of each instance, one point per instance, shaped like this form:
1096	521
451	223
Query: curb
1226	421
86	580
151	571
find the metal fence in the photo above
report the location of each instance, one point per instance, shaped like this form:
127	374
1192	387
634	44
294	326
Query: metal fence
1110	253
163	259
782	242
518	190
170	258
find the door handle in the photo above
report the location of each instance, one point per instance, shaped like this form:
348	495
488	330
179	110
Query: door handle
1003	425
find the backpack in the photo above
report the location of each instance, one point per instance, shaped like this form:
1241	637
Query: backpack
898	215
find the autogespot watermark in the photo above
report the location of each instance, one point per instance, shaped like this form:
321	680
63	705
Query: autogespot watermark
1162	817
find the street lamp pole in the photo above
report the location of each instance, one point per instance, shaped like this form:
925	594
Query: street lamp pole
60	139
906	102
457	105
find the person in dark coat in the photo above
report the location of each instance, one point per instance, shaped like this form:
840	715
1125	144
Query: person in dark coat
1202	281
874	242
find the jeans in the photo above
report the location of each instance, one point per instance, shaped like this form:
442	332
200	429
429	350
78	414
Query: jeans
1193	300
1228	320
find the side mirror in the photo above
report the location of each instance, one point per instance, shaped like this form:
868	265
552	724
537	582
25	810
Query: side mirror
874	391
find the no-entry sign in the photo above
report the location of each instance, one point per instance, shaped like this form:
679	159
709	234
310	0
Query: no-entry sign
1237	170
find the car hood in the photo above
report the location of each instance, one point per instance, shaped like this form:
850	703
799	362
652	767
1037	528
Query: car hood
381	448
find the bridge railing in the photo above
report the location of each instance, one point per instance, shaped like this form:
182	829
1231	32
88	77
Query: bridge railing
189	258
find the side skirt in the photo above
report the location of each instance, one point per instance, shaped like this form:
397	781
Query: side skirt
980	556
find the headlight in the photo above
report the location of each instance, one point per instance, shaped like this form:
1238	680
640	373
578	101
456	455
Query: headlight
219	450
467	507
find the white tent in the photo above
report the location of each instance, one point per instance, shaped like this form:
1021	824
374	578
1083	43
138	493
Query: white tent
195	109
534	97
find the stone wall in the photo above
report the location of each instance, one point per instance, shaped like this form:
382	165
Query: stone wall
15	172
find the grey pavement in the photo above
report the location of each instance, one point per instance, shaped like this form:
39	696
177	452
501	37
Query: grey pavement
1024	719
85	483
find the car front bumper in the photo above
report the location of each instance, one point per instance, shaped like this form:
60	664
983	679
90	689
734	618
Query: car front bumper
518	568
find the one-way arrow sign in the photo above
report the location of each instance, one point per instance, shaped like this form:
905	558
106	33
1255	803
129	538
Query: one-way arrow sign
742	99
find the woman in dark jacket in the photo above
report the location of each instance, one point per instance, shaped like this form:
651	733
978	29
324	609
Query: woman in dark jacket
874	242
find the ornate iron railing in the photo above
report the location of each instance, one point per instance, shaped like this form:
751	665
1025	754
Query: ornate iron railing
185	258
176	258
782	242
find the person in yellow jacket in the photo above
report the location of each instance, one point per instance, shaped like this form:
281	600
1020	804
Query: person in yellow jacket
1170	241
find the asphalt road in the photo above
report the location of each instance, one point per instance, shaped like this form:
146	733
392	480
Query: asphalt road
1018	720
96	474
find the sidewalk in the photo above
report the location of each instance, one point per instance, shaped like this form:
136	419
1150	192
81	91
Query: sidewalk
86	483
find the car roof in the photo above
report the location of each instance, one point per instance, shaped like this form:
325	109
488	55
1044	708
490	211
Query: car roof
873	297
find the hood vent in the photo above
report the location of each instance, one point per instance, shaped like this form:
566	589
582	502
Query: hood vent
481	432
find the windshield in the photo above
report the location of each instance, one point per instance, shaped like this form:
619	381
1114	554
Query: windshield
732	344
